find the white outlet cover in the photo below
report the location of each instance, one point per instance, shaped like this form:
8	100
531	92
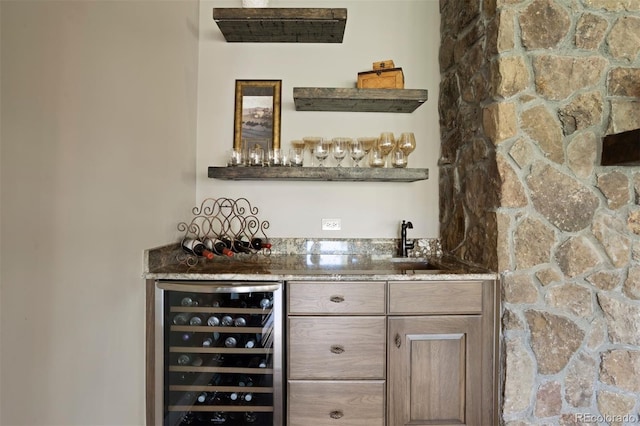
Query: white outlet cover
331	224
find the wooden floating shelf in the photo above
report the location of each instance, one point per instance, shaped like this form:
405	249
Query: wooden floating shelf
358	100
281	25
352	174
621	149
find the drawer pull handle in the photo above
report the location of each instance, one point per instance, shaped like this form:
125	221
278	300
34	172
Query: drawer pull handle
336	414
337	299
398	341
337	349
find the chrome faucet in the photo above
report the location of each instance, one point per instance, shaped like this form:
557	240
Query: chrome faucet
404	245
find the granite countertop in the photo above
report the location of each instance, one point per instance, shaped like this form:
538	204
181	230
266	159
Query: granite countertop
163	263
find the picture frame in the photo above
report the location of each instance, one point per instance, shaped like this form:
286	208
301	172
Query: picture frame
257	114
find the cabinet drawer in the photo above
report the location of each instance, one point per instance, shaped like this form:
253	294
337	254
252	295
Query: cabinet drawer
336	347
429	297
347	403
336	297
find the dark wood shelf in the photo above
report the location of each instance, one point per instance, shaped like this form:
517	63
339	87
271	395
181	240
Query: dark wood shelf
281	25
352	174
358	100
621	149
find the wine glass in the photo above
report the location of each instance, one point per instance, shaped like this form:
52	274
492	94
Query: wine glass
340	149
376	159
367	143
310	143
386	143
321	151
357	152
398	158
407	143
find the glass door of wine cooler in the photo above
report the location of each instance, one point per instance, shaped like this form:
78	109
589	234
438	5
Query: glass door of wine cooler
219	346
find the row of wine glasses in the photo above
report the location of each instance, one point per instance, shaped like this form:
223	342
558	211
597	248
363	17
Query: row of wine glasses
377	148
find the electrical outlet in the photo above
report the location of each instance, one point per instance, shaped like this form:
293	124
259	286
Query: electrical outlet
331	224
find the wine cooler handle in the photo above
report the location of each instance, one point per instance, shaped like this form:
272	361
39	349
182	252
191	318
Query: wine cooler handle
217	287
337	349
337	299
398	341
336	414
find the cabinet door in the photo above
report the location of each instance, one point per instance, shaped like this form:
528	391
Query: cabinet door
435	370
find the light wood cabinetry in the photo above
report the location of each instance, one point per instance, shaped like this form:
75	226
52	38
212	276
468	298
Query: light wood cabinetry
442	353
336	339
392	353
334	402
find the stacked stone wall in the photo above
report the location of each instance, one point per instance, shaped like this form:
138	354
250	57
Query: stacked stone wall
526	121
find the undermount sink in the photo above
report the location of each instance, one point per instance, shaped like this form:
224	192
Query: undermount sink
353	265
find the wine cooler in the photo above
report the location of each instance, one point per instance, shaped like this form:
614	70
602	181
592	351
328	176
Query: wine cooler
218	353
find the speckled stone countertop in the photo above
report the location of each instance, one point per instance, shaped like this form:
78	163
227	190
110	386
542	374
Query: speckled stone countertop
317	260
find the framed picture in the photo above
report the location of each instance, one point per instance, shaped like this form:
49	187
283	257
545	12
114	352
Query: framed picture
257	114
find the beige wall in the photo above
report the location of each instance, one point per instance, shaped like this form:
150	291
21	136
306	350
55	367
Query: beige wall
104	105
406	31
98	163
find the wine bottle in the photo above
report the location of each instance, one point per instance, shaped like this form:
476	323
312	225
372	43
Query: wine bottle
241	398
250	343
209	398
208	342
266	302
196	247
245	381
236	245
233	341
250	417
257	362
197	319
182	318
217	247
216	379
226	320
213	321
219	418
184	359
189	300
258	244
185	337
241	320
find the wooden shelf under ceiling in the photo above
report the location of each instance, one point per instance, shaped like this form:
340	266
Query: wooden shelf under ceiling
281	25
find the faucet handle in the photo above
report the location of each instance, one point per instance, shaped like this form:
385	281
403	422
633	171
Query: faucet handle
406	225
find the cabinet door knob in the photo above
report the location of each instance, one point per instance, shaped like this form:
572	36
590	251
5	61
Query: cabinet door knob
337	349
337	299
398	341
336	414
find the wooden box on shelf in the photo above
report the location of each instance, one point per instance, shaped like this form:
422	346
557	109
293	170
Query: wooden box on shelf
392	78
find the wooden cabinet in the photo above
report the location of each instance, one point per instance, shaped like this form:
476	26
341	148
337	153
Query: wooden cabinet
392	353
336	402
336	340
442	353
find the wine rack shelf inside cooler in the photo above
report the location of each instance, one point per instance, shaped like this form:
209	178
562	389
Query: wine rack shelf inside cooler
210	379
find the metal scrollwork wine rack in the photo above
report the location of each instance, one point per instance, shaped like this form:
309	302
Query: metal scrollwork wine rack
233	221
